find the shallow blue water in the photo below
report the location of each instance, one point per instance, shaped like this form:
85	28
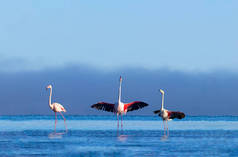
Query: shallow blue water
98	136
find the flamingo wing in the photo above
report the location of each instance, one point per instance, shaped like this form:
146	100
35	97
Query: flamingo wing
176	114
157	111
104	106
134	105
58	107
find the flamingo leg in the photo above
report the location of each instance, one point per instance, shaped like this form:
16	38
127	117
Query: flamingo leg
121	121
164	127
64	121
55	120
167	128
117	122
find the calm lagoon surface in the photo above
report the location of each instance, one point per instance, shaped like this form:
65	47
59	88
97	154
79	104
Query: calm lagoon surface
98	136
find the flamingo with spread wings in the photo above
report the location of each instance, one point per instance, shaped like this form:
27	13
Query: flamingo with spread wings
119	108
166	114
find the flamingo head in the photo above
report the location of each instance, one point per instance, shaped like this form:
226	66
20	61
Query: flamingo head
49	86
161	91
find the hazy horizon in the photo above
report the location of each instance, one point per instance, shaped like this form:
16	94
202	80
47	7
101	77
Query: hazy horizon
78	87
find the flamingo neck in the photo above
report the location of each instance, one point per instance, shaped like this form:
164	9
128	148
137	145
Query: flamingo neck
162	105
119	97
51	106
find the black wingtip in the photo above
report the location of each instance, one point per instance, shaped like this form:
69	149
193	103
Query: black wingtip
182	115
143	104
157	111
104	106
178	115
93	106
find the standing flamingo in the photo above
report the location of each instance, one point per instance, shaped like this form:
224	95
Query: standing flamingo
166	114
56	107
119	108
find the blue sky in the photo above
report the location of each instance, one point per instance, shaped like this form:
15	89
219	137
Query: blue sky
188	48
179	35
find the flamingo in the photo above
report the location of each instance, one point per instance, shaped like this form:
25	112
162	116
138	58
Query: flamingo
56	107
167	115
119	108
